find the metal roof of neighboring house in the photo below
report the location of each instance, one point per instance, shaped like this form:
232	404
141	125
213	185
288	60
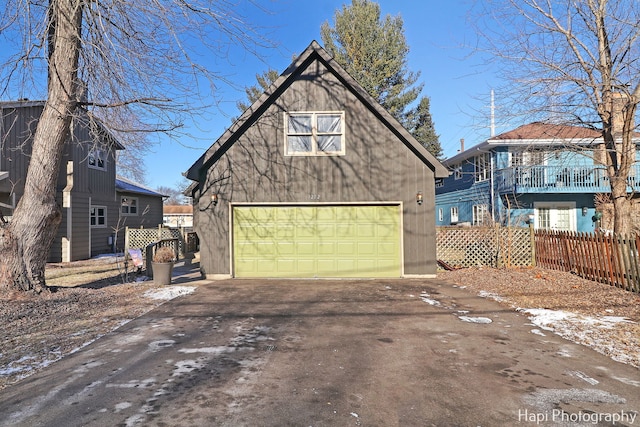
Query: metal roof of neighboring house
177	209
125	185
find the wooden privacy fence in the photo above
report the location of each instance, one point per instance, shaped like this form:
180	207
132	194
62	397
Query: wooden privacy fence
611	259
485	246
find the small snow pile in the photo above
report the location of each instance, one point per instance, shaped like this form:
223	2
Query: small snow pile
551	319
490	295
425	297
481	320
169	292
582	329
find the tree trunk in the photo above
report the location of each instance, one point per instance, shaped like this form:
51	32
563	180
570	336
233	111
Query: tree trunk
25	242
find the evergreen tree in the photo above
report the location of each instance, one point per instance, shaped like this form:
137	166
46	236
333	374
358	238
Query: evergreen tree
422	128
254	92
374	51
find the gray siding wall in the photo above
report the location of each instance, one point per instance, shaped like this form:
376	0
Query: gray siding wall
149	215
17	128
377	167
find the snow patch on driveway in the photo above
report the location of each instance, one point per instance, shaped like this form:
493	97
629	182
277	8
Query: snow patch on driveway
169	292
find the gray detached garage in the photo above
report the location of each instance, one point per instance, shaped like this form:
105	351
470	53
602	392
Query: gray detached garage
315	180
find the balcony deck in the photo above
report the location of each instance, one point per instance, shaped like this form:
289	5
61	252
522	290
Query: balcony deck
558	179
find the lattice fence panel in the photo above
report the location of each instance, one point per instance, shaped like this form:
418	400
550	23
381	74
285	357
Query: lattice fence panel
484	246
141	237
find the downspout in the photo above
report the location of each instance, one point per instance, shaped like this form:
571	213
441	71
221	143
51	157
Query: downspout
493	204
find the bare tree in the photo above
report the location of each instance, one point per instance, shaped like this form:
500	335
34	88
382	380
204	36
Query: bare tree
572	62
106	59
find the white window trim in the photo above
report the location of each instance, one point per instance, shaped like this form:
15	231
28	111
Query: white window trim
455	214
457	172
483	174
480	214
553	207
96	225
122	204
97	154
314	144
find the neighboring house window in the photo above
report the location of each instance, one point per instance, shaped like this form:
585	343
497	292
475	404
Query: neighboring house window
314	133
97	159
482	167
439	183
440	215
129	206
457	172
454	214
480	214
98	216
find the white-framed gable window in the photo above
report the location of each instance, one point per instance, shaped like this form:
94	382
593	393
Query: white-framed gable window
98	216
314	133
97	159
129	206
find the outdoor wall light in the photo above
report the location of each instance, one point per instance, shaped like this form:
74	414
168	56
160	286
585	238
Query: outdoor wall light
419	198
585	210
214	199
531	218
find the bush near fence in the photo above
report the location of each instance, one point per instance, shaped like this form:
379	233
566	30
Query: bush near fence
495	246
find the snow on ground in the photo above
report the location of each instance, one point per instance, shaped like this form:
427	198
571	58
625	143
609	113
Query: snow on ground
169	292
582	329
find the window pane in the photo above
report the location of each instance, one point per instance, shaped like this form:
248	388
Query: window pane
329	143
299	124
298	144
329	123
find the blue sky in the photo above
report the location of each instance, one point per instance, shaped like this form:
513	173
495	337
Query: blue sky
434	30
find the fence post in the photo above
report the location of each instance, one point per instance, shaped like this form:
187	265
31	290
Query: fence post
532	240
126	240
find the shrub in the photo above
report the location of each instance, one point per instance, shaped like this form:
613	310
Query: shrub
164	254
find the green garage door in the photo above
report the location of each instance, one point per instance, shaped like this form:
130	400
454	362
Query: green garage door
316	241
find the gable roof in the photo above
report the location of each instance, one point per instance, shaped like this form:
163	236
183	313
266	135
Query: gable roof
536	133
125	185
547	131
26	103
314	52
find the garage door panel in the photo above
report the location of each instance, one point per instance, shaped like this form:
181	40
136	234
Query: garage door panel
317	241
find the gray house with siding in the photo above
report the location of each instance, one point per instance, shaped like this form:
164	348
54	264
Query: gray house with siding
140	207
316	179
86	185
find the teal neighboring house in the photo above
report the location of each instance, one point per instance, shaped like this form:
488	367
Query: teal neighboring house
539	173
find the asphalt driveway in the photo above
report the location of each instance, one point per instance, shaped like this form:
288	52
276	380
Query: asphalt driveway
328	353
